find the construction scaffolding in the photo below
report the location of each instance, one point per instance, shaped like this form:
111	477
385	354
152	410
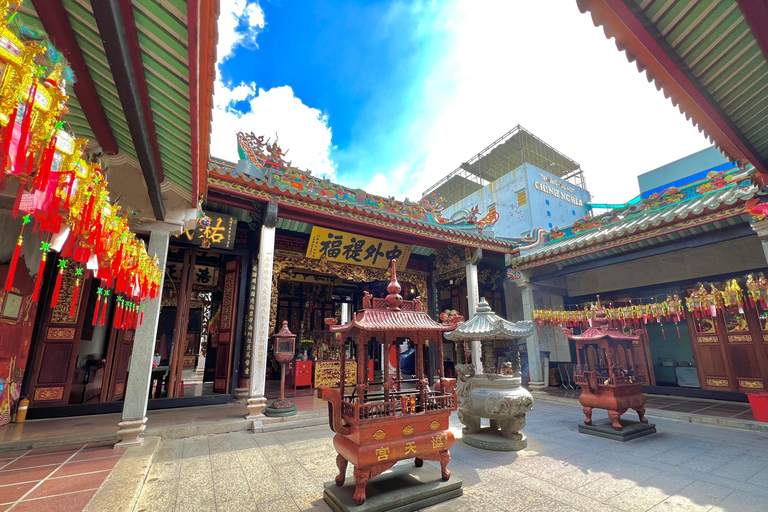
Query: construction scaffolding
507	153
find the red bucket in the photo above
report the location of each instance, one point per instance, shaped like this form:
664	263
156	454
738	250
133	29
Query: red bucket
759	403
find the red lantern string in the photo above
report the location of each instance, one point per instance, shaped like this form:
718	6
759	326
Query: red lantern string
57	288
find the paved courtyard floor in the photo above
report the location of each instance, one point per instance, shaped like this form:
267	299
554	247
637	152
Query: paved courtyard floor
684	467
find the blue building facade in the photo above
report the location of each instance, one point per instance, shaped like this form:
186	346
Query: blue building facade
527	198
684	171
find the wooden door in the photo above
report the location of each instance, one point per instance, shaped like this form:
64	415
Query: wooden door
709	347
223	371
746	348
121	349
180	327
59	338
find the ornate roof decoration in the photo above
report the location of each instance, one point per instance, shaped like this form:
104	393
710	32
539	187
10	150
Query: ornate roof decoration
292	187
671	210
265	161
487	326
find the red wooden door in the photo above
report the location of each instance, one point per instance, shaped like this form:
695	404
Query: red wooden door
59	338
223	369
709	347
123	346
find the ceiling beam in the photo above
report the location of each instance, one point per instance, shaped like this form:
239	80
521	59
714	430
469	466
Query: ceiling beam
56	24
636	35
756	15
117	28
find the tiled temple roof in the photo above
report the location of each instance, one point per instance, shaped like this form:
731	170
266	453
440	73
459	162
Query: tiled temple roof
224	176
645	227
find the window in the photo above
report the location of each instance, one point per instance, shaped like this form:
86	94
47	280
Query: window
549	214
573	212
522	198
550	225
547	201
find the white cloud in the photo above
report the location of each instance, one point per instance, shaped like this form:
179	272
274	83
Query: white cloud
545	66
303	131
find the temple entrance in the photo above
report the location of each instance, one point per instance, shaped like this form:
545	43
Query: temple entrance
305	293
196	332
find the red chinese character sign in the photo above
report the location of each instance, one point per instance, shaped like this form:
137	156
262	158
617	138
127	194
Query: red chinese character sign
344	247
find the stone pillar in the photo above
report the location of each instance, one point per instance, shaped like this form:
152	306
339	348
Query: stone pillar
761	228
473	297
243	389
140	372
260	339
537	383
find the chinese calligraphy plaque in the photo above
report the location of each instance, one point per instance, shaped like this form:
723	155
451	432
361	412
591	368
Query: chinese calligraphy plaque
344	247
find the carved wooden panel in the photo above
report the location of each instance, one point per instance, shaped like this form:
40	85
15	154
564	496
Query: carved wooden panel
223	368
47	394
60	314
61	333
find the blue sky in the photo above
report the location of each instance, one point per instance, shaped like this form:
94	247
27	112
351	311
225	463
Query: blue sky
391	96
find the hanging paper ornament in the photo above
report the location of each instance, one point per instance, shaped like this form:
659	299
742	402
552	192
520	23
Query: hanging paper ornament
15	257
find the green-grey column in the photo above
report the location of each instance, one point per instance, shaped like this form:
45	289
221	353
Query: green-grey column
532	342
473	298
140	371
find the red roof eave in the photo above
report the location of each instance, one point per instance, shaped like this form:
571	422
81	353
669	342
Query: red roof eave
619	22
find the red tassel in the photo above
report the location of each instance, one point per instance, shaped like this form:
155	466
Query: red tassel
39	279
678	330
96	309
141	321
663	334
73	307
104	309
57	288
118	313
12	268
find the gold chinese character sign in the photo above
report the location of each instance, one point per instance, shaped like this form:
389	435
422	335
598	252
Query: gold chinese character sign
219	233
344	247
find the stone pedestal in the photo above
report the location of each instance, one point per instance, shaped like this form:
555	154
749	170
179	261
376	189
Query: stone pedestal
130	432
630	430
274	412
489	439
401	489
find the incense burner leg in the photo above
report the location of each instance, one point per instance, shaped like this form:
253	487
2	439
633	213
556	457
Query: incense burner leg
418	462
471	422
641	414
445	458
615	417
361	482
341	462
495	424
587	415
511	428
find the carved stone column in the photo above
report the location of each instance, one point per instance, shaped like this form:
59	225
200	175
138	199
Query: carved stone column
260	337
140	373
473	298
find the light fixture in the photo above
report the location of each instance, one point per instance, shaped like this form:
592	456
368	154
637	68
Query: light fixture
413	291
450	281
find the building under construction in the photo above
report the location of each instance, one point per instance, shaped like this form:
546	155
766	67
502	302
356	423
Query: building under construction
527	181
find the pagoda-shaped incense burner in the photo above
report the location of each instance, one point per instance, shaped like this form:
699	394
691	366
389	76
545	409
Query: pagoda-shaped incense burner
405	419
496	393
608	375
